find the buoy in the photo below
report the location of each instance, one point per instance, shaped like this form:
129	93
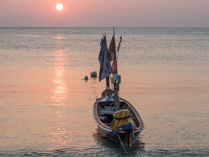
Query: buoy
86	78
94	74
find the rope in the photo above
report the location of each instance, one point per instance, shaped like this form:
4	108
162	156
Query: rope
123	117
94	92
122	145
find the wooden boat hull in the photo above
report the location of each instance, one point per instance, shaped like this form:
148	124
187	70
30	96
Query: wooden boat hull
125	136
106	129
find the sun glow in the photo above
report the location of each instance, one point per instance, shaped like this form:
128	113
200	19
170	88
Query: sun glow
59	7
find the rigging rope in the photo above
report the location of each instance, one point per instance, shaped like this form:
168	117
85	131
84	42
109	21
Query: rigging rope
122	145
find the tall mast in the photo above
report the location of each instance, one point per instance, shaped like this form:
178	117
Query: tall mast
107	82
116	80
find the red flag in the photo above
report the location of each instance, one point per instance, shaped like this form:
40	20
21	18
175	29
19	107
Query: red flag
112	54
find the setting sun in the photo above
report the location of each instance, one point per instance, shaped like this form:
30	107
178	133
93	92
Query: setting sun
59	7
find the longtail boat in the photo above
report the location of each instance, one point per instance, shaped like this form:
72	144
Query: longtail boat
117	119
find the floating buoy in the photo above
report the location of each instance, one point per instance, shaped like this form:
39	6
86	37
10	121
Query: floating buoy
94	74
86	78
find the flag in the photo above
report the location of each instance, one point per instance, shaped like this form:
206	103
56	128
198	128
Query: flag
112	54
105	66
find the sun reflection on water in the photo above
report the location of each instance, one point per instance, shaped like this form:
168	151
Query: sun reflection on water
60	137
60	88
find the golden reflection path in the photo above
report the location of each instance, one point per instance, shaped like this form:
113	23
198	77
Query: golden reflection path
60	88
59	95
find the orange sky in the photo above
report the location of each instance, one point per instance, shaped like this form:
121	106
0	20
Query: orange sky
104	13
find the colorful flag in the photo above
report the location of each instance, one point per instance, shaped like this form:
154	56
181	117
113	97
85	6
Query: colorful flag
112	54
105	66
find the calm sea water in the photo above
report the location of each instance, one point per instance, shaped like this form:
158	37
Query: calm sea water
46	106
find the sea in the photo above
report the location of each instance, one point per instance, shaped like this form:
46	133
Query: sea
46	105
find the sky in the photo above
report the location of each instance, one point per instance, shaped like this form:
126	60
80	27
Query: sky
104	13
